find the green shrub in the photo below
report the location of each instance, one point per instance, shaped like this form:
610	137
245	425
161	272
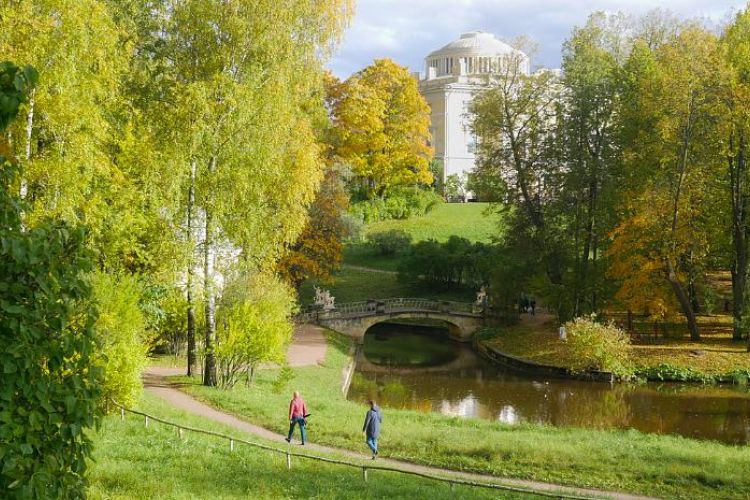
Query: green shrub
401	203
50	391
596	346
254	325
390	242
121	330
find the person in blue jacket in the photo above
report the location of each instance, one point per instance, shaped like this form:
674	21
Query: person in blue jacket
371	429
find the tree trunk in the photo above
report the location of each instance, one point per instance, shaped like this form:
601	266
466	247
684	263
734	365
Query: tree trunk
589	241
27	153
191	361
737	166
209	371
684	300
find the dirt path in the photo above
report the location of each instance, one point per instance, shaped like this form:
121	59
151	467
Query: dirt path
368	269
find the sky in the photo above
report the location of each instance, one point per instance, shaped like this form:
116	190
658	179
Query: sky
407	30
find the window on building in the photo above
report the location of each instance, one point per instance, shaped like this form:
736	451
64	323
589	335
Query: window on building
471	144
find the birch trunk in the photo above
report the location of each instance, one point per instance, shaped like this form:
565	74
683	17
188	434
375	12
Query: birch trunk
209	371
191	360
27	153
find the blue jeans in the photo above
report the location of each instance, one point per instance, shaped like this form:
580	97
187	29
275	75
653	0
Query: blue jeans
301	422
372	442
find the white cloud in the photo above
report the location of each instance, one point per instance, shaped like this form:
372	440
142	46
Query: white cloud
407	30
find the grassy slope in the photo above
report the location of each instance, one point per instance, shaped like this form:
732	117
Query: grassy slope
132	461
618	460
467	220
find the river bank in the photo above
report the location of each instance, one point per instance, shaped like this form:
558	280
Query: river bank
715	359
608	459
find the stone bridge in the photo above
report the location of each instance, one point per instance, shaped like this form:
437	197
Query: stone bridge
463	319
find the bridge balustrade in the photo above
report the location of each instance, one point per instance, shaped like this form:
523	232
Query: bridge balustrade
389	306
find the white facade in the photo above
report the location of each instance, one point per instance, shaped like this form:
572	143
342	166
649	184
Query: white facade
454	74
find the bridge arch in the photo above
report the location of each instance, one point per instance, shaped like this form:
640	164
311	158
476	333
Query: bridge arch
356	318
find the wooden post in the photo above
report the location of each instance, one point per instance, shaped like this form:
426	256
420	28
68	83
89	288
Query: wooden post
146	416
364	473
288	461
231	445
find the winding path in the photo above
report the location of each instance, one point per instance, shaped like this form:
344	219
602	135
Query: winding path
309	348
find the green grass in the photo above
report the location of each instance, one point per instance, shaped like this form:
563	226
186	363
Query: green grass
352	285
627	460
468	220
132	461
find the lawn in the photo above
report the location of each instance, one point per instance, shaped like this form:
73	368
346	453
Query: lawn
472	221
468	220
668	466
132	461
352	285
716	355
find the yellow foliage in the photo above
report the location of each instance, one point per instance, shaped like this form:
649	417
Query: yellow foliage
382	126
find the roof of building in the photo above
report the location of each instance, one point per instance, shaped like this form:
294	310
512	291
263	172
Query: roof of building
474	43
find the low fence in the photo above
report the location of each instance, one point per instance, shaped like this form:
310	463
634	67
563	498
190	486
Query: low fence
646	327
233	441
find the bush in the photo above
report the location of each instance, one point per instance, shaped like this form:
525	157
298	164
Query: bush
594	346
49	395
390	242
254	318
121	330
454	262
401	203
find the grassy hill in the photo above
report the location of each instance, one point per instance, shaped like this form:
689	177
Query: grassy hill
468	220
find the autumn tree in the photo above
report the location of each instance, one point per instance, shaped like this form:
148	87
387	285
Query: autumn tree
318	250
735	131
672	160
382	128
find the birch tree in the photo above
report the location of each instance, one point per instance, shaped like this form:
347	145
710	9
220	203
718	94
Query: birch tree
246	75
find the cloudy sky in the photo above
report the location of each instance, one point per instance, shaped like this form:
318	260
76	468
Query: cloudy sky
407	30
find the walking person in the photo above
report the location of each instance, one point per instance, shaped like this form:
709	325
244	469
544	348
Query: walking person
371	429
533	306
297	414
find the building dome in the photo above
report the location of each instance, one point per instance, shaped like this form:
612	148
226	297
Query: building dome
474	53
475	43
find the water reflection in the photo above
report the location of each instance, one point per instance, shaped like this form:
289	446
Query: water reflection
402	373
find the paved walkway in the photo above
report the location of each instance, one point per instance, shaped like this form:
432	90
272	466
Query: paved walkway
308	348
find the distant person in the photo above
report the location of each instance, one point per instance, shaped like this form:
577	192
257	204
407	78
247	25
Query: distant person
297	415
533	306
371	429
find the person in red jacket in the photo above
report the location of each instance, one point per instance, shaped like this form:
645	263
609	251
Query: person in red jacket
297	412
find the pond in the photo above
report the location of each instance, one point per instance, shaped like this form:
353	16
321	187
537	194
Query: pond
419	367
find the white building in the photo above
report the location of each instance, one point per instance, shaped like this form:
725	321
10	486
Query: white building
454	74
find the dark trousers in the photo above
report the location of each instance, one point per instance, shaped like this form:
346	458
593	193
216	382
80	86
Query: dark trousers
297	421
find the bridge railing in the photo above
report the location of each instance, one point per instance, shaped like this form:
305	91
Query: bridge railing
388	306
